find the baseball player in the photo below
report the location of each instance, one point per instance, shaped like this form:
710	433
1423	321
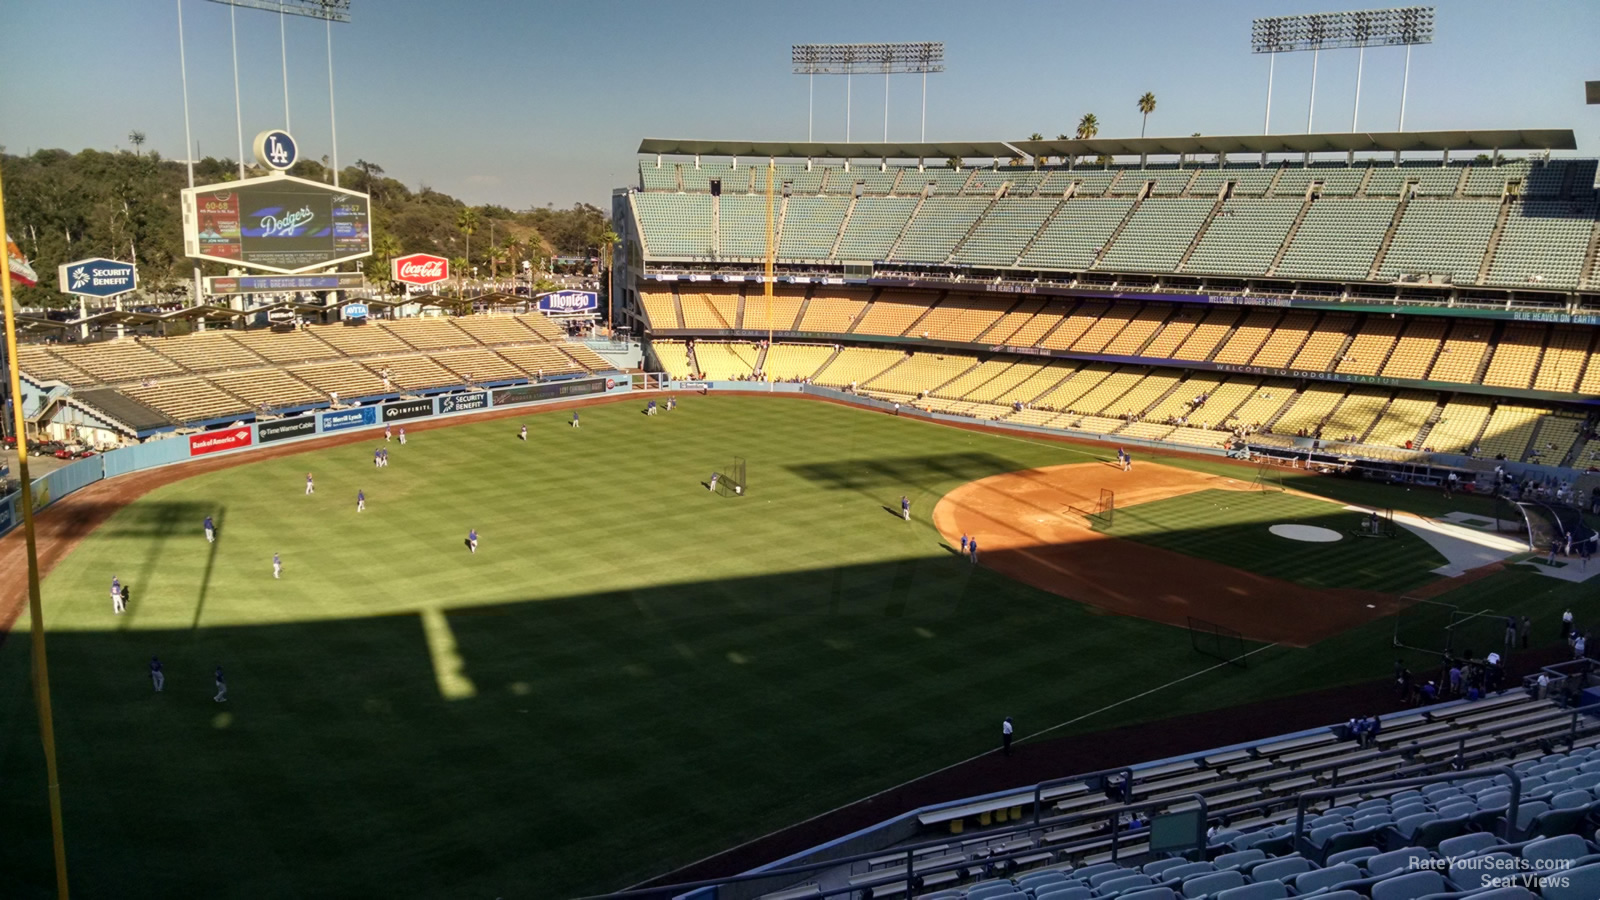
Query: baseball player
277	566
222	688
402	437
386	434
157	677
361	501
116	596
972	549
211	531
377	458
650	408
524	433
963	545
472	539
574	418
672	403
714	476
311	486
905	508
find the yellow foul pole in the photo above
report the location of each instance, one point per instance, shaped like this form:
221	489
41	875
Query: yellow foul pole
41	670
772	255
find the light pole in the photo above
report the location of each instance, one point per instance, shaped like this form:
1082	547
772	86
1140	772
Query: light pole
921	58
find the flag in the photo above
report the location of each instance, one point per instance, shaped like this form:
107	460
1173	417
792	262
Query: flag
20	270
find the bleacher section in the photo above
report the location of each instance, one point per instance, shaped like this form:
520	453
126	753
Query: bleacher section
217	374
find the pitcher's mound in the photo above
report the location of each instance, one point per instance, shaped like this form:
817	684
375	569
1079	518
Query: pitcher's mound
1308	533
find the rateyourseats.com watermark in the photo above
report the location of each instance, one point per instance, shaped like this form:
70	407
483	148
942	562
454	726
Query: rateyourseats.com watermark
1496	870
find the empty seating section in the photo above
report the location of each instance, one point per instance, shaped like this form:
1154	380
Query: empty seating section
1516	354
742	226
975	380
40	363
1566	353
346	377
1168	182
1241	346
920	373
185	399
1338	239
1078	232
1431	179
542	326
360	340
418	372
1089	182
673	357
1509	431
739	180
891	316
788	362
1244	237
937	227
1050	316
1554	437
1371	347
1157	235
1313	405
1337	180
1083	318
1285	341
1262	401
1110	324
293	347
785	309
1012	322
1414	353
1075	385
1035	380
267	388
1143	393
698	177
479	366
1543	245
1248	180
675	225
1459	424
855	365
1324	343
1554	177
810	226
1176	330
1181	401
963	318
1000	237
1197	437
206	351
1402	421
113	362
540	359
706	310
944	181
725	362
1441	237
506	329
586	358
1356	415
1106	394
872	179
1491	180
1130	340
874	224
658	177
1590	384
429	333
1203	340
1462	353
833	312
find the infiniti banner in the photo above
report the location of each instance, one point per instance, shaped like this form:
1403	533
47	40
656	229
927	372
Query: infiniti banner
267	432
549	390
407	409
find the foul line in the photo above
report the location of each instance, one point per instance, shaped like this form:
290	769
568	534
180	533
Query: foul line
953	765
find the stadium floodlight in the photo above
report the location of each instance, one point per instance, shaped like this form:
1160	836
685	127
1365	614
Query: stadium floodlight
331	10
918	58
1398	26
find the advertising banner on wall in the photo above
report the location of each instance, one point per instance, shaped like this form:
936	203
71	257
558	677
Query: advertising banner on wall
215	441
463	402
337	420
266	284
419	269
569	303
267	432
407	409
97	277
549	390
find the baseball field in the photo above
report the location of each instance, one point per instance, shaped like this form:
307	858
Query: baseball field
633	672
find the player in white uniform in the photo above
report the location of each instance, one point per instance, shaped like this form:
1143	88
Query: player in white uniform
277	566
311	486
361	501
116	596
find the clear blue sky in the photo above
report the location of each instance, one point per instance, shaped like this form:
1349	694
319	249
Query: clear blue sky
522	103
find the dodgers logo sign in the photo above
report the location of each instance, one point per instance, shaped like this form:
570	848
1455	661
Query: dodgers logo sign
97	277
569	302
275	149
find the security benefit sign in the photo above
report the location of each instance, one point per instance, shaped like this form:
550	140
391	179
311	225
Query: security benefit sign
569	303
97	277
277	223
463	402
267	432
217	441
407	409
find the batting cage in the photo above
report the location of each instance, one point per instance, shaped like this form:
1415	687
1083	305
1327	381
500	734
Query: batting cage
731	481
1376	523
1268	477
1544	523
1218	641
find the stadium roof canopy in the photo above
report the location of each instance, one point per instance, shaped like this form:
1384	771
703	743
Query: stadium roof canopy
1345	142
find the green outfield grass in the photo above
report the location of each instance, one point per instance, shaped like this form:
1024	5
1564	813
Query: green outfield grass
1232	527
630	674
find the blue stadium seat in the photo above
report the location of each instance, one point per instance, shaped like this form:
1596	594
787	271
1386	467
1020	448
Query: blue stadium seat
1286	869
1214	883
1160	893
1155	868
1265	890
1356	855
1237	859
1403	859
1114	886
1318	879
1582	883
1063	892
1467	844
1409	887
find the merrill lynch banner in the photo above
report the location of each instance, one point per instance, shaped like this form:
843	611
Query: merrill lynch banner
349	418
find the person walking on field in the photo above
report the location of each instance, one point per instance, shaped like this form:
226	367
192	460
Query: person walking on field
1511	632
1005	736
905	508
157	678
1527	626
222	688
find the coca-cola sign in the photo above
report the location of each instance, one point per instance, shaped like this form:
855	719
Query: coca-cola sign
420	269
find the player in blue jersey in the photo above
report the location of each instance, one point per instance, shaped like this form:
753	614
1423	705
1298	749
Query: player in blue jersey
377	458
402	436
116	596
574	418
361	501
211	531
386	434
222	687
524	433
311	486
157	677
277	566
905	508
472	539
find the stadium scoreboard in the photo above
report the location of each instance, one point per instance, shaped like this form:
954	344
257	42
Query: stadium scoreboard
278	223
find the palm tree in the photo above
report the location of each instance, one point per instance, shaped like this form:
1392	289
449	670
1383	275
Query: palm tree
467	221
1039	160
136	138
386	246
608	239
1147	105
1088	126
497	255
